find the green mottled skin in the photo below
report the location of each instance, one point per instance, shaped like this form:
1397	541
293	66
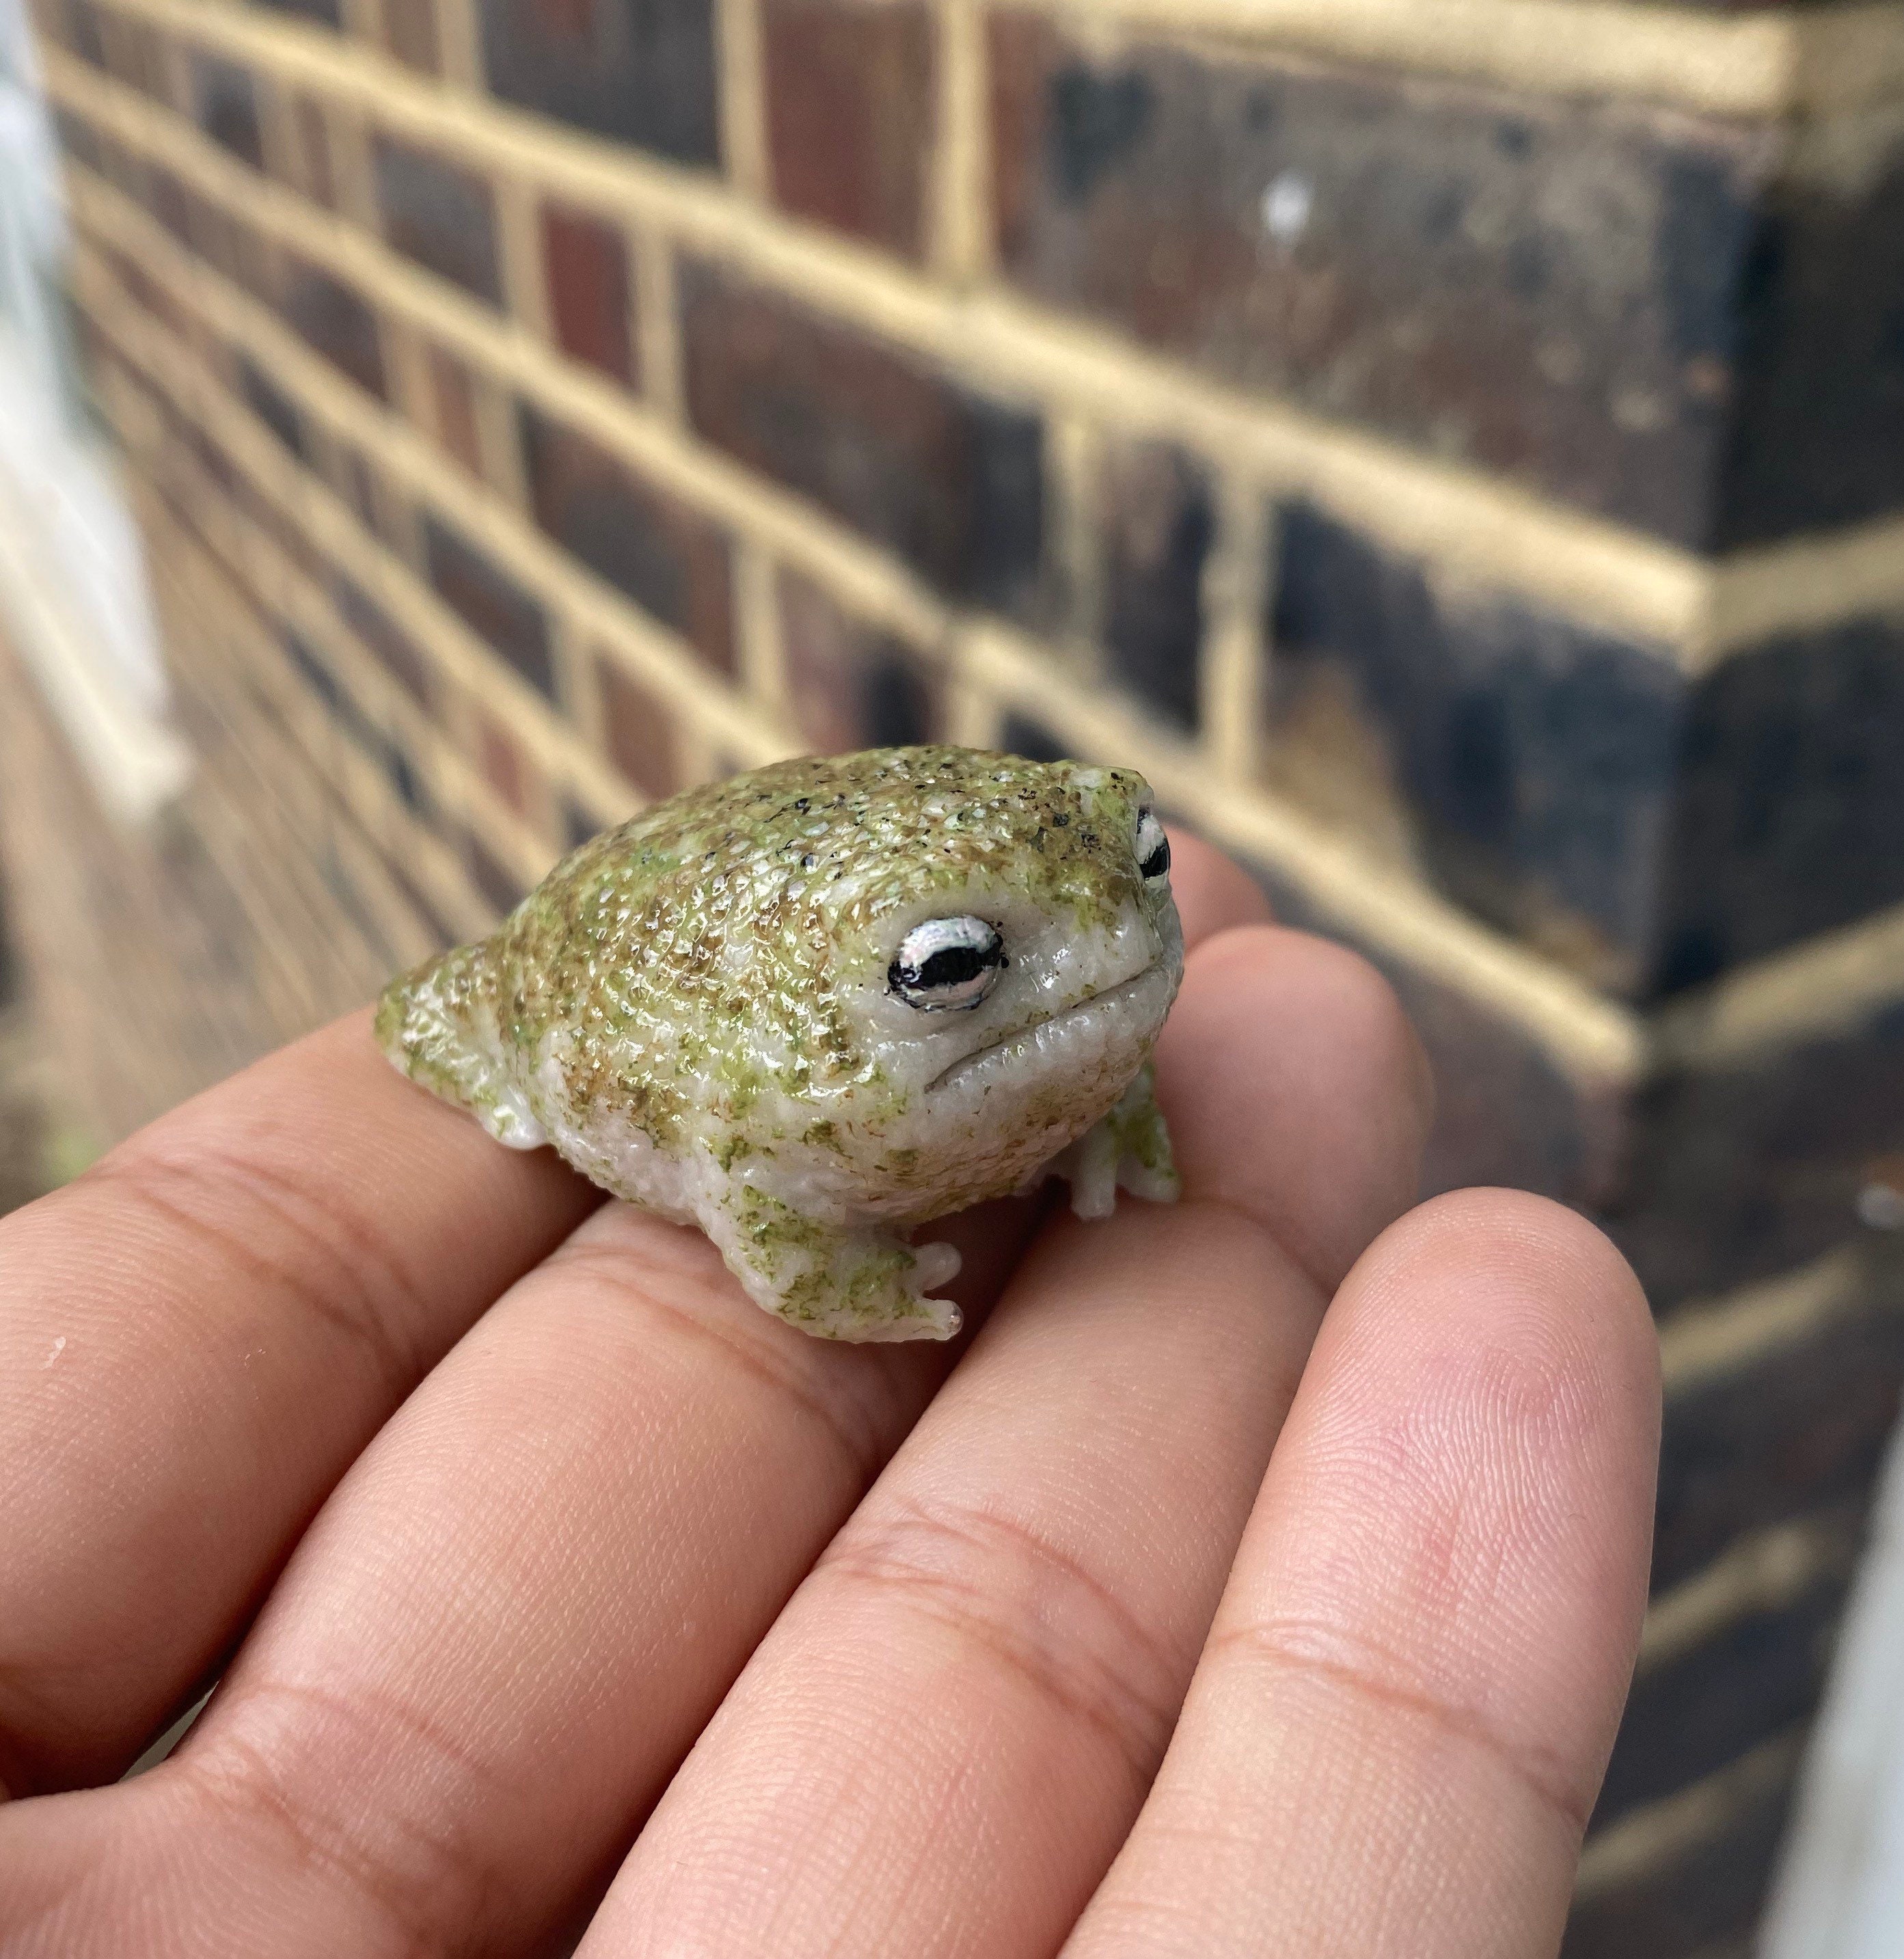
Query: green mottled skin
700	975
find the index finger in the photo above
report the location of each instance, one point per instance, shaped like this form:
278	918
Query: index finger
1405	1706
196	1339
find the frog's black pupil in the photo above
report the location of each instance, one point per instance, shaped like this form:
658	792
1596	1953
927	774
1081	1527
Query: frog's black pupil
950	966
953	965
1159	860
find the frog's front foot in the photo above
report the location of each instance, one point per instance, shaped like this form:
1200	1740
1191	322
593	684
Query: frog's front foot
862	1284
1128	1148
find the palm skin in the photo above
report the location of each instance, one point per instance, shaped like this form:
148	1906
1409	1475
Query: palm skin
1263	1575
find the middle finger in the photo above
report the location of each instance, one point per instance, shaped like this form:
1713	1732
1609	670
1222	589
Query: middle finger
980	1676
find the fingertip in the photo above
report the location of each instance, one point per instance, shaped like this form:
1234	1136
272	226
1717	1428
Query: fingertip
1212	892
1296	1090
1511	1259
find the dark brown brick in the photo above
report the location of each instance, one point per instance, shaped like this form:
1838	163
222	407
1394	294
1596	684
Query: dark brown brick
1753	1164
672	562
224	101
1686	324
585	264
82	31
271	405
441	217
316	176
135	54
325	13
410	33
639	731
1694	1903
1506	1111
1687	1718
850	110
578	824
1798	1428
499	885
849	686
491	604
950	480
78	140
391	648
453	394
1158	522
1534	759
639	71
1789	815
379	509
1020	735
334	321
1580	789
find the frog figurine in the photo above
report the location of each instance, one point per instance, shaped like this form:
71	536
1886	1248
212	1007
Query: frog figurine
809	1007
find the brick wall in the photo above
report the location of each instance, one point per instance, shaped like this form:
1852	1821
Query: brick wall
1456	447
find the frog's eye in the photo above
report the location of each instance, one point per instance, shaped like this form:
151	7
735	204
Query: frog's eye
1152	847
947	962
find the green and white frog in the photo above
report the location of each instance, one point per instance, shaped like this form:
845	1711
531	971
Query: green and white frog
811	1008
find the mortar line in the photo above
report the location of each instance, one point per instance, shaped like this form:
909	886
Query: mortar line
1469	524
1590	1035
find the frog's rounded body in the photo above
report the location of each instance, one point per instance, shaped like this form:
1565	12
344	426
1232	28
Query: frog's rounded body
736	1010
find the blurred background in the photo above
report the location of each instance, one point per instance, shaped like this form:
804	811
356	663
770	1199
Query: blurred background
1455	447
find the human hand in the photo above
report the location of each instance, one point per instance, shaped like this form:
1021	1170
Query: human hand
492	1503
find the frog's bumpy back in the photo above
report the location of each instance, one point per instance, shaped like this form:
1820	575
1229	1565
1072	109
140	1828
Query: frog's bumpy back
438	1024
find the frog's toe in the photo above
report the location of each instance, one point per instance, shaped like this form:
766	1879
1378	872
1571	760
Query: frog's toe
934	1265
836	1283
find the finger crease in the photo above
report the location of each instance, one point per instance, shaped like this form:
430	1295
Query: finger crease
1375	1676
1261	1227
1111	1671
423	1882
358	1310
861	1445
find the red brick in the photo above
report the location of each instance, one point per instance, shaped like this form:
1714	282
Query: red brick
585	264
950	479
850	111
671	561
848	685
503	764
638	731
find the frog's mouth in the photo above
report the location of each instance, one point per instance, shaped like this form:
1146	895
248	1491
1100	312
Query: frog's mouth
1093	1021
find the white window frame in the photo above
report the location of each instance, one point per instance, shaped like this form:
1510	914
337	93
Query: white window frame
73	600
